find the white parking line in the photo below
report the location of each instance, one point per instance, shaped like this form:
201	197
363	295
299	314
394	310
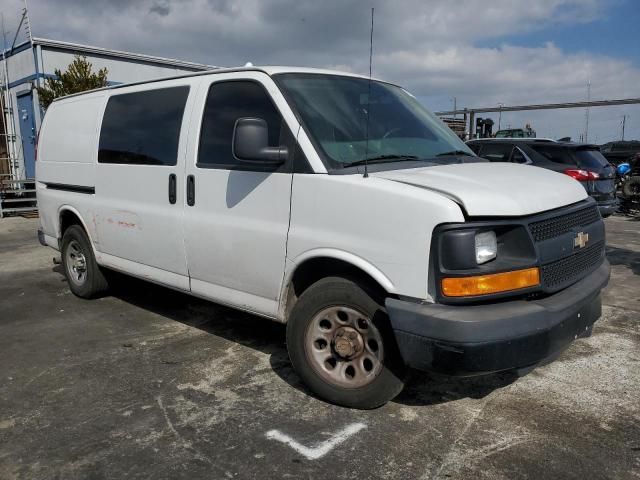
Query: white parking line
320	450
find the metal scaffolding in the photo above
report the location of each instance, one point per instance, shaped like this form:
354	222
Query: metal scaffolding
10	135
470	113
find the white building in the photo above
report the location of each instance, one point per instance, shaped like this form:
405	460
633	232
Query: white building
27	65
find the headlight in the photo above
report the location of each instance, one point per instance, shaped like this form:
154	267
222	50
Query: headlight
486	247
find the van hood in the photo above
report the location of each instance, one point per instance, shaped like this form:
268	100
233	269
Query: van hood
494	189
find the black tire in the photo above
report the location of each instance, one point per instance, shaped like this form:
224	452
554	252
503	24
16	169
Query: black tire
385	382
631	187
77	251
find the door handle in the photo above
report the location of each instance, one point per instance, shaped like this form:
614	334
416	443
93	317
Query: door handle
191	190
172	188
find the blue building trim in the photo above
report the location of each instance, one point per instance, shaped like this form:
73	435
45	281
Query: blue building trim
78	49
29	78
35	62
18	48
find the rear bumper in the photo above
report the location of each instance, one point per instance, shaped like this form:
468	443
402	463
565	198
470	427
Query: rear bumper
472	340
608	207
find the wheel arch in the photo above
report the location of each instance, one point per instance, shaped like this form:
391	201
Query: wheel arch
321	263
67	216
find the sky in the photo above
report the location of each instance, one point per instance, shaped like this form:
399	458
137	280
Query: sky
481	52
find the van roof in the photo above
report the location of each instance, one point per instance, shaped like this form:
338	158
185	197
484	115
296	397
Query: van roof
269	70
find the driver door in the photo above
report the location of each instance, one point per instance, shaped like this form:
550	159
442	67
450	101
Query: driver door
237	214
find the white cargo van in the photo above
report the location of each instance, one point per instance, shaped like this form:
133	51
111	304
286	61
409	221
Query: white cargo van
249	187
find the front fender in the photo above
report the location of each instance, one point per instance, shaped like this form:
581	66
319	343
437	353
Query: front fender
344	256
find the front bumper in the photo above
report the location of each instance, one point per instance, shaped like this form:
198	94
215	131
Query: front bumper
473	340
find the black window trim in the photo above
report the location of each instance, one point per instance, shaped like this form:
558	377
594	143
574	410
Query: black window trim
286	167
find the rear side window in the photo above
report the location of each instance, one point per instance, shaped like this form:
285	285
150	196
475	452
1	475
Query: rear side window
226	103
554	154
143	128
497	152
591	159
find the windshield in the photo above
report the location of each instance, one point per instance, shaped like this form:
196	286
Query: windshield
334	111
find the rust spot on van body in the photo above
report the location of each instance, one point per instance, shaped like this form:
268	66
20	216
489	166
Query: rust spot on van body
124	219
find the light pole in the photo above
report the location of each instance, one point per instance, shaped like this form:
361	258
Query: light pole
500	114
586	119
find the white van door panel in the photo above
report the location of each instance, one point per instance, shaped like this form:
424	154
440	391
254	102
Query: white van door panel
138	219
135	220
236	229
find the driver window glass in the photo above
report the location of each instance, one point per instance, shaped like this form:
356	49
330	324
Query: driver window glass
226	103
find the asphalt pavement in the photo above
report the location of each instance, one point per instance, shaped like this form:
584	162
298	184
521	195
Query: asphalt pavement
150	383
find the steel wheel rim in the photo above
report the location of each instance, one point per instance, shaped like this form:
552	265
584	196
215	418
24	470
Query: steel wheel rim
344	347
76	263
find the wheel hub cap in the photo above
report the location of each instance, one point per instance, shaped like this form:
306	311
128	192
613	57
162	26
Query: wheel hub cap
344	347
348	342
80	263
76	263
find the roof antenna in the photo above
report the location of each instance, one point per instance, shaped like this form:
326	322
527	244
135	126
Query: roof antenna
366	147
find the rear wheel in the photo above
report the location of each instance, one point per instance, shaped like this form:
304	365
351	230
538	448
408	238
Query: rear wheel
340	344
83	274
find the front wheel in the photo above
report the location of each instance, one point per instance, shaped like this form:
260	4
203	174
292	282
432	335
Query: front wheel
341	345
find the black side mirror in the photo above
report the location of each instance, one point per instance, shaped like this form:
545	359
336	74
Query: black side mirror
251	143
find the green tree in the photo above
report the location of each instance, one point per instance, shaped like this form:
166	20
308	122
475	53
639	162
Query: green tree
77	78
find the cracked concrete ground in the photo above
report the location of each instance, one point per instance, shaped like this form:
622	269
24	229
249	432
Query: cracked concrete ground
150	383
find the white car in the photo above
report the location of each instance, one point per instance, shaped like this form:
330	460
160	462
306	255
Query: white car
331	202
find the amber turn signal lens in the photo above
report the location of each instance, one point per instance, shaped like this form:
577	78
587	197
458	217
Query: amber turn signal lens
487	284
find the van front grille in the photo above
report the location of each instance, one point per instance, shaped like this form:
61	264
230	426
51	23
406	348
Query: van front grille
556	226
563	272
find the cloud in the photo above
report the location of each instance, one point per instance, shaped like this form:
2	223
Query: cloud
161	8
331	31
431	47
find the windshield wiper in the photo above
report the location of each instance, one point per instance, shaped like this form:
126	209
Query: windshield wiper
455	152
383	159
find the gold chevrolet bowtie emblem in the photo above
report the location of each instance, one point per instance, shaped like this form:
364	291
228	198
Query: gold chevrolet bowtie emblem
581	240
